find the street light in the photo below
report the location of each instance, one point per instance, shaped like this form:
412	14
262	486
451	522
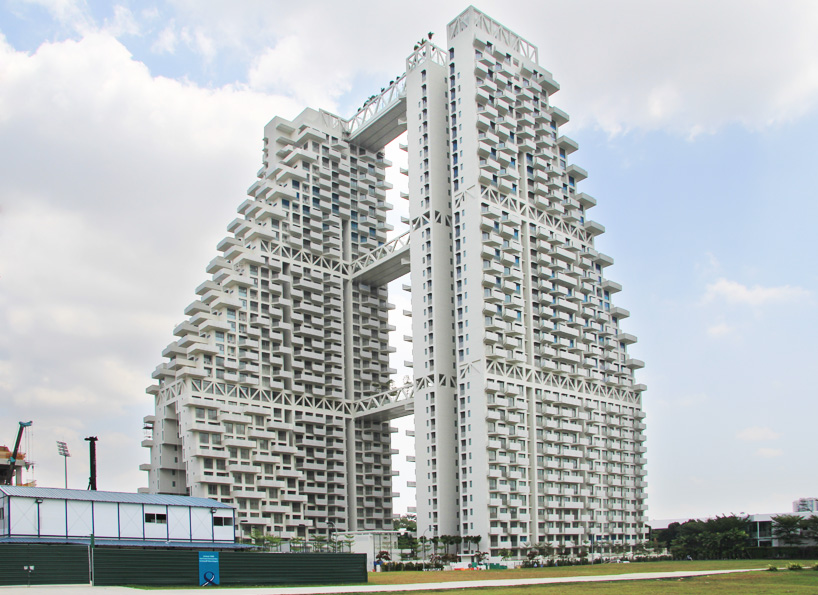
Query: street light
38	501
62	449
332	536
422	541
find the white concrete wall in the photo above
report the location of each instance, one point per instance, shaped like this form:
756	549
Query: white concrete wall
111	520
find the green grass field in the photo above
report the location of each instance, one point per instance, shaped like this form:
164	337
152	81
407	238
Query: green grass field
396	578
745	583
752	583
748	583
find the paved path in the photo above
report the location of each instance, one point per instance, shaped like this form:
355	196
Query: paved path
639	576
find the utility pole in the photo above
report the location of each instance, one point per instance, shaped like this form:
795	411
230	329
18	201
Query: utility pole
92	481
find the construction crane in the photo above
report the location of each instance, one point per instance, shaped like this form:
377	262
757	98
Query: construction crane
7	472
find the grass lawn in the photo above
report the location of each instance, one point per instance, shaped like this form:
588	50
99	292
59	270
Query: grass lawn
746	583
396	578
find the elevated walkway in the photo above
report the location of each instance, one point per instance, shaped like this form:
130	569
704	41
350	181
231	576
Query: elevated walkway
392	404
381	119
384	264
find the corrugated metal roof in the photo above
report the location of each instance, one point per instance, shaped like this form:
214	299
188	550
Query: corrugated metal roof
96	496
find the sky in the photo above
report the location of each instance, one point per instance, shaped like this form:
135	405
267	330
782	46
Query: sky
130	132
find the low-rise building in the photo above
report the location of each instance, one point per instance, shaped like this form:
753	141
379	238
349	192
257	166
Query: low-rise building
69	516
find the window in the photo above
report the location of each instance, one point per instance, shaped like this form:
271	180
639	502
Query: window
222	521
159	518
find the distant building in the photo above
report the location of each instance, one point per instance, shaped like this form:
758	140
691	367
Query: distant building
805	505
67	516
760	526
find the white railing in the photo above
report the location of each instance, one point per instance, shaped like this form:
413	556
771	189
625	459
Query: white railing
397	397
377	104
379	253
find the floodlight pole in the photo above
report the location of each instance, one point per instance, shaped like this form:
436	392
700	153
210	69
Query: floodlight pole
62	449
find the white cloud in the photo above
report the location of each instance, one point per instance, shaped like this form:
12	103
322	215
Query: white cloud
166	41
116	178
757	434
633	65
732	292
769	453
719	330
71	14
665	66
293	64
124	23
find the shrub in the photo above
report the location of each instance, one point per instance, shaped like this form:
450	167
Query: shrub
794	566
772	567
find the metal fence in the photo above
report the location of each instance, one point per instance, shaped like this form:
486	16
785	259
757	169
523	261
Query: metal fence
39	564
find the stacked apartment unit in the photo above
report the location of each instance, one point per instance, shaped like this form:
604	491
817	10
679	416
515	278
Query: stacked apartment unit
531	429
529	424
253	406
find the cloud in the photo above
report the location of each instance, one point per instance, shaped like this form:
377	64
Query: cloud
123	23
719	330
166	41
757	434
70	14
118	183
649	76
643	81
732	292
295	64
769	453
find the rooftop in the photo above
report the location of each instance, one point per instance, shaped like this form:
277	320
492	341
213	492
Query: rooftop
123	497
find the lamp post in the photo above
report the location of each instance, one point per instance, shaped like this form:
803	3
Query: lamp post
422	542
38	501
332	536
62	449
213	524
306	537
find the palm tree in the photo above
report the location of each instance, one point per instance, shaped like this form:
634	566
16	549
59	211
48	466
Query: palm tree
787	528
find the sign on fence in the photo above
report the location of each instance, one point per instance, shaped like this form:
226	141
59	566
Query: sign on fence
208	569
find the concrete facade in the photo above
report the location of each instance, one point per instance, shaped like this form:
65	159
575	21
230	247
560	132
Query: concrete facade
528	420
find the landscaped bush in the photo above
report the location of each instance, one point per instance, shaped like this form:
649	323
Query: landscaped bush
772	568
794	566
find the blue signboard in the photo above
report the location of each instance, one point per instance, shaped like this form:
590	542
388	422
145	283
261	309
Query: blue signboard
208	568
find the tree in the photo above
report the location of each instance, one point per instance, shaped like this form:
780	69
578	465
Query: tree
719	537
809	528
407	542
544	549
666	536
320	542
476	540
383	556
787	528
406	522
297	543
505	554
273	542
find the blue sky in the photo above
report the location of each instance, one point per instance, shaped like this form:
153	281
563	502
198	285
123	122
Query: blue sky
131	131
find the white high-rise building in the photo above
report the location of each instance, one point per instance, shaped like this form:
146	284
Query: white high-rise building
528	423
